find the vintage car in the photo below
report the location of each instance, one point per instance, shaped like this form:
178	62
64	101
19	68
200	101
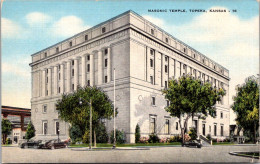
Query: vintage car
53	144
32	143
193	143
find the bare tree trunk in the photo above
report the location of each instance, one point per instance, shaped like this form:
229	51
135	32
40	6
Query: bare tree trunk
95	141
183	128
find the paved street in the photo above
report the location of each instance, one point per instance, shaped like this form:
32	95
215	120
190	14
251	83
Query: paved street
159	154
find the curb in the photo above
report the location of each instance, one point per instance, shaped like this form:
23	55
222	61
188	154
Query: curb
247	156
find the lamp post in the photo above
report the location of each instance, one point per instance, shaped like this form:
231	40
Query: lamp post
58	131
114	145
90	121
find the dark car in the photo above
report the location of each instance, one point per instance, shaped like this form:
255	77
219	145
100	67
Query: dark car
53	144
193	143
31	144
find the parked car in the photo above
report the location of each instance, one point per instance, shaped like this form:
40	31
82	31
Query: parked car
32	143
53	144
193	143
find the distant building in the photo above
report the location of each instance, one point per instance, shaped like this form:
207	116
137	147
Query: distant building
145	58
19	118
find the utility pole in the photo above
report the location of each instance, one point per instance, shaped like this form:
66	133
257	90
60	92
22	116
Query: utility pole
90	125
114	145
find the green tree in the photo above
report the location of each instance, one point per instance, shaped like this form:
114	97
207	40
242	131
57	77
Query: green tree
30	132
246	105
70	110
120	136
75	133
137	134
6	129
189	97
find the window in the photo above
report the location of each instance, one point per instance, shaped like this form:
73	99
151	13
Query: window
47	71
151	62
44	109
209	129
166	84
194	55
88	68
152	124
105	79
166	58
105	62
166	68
222	130
203	129
72	62
59	67
86	37
166	40
203	61
151	79
70	43
59	76
72	72
44	127
177	126
72	86
59	89
215	130
221	115
106	51
152	52
57	127
152	31
167	127
153	100
214	67
46	79
103	29
167	103
88	57
47	92
184	49
88	82
45	54
57	49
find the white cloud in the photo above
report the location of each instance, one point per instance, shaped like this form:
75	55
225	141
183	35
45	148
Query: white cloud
16	70
69	26
37	18
10	29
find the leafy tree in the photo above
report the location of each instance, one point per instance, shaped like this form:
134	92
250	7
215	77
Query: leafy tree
6	129
70	110
189	97
246	105
193	133
137	134
75	133
30	132
102	136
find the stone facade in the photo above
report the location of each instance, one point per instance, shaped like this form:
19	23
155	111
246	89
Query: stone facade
144	56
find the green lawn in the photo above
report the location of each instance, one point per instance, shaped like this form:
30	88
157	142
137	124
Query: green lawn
127	145
223	143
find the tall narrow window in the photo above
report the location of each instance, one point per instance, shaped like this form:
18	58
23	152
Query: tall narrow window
57	49
106	51
72	72
167	127
44	128
204	129
44	109
166	58
105	62
153	100
59	76
72	86
59	89
45	54
167	103
105	79
47	92
166	40
184	49
70	43
103	29
88	68
151	62
88	82
88	57
221	115
166	69
46	79
57	127
177	126
222	130
152	125
72	62
151	79
215	130
86	37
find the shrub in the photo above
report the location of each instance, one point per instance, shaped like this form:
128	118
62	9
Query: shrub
164	140
186	137
137	134
30	132
153	138
8	141
75	133
193	133
208	137
214	140
144	140
101	134
120	136
176	138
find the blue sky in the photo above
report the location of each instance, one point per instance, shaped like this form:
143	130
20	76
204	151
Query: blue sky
230	39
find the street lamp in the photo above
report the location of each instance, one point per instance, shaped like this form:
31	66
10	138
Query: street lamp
58	132
90	121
